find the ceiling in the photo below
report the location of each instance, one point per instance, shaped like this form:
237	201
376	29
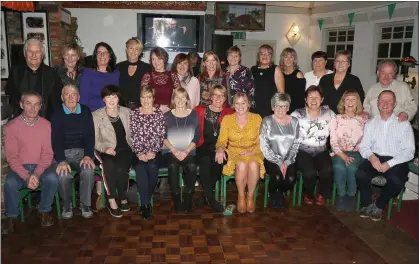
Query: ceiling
305	4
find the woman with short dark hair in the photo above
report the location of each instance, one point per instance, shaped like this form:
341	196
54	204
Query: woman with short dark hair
318	63
162	80
102	73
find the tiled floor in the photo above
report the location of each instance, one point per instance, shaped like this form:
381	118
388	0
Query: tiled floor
310	234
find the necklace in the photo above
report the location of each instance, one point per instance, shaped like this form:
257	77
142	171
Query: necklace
27	122
113	119
213	118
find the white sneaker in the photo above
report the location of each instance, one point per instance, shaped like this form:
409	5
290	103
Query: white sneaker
67	214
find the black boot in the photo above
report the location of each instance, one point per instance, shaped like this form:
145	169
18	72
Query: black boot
188	201
178	203
146	211
214	205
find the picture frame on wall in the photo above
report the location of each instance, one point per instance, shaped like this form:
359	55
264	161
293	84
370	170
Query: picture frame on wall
234	16
35	25
5	63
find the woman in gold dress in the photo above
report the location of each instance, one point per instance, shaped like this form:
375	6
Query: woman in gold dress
239	144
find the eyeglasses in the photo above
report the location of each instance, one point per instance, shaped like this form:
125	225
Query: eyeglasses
102	54
281	106
341	62
221	96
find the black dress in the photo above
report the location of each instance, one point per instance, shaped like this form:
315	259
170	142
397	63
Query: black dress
332	95
295	87
265	88
130	85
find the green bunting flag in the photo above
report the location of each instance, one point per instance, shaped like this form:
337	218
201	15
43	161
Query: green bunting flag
320	23
351	18
391	8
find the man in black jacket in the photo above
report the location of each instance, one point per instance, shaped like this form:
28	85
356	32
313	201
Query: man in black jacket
34	75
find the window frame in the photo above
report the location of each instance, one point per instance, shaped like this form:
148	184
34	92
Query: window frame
330	64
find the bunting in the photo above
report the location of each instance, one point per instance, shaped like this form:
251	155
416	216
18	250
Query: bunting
391	8
351	18
320	21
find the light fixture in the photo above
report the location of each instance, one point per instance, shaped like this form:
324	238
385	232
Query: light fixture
293	35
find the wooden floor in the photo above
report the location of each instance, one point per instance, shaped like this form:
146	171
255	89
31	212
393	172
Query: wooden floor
310	234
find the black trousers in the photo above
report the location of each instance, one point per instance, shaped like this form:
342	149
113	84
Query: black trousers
310	167
277	181
209	171
115	173
189	177
396	177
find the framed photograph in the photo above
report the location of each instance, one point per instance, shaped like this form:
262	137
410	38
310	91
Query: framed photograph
233	16
5	64
35	25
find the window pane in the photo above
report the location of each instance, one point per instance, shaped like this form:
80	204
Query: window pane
407	46
332	33
386	30
383	50
409	28
332	39
340	47
342	33
350	38
350	48
386	36
351	32
329	64
342	39
398	29
398	35
408	34
330	50
396	50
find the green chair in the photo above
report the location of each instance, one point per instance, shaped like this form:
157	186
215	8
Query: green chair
27	192
300	190
380	181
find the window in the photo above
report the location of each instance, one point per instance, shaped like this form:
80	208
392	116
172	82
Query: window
339	39
394	42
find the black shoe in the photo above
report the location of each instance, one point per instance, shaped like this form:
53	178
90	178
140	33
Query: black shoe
341	203
280	200
178	203
125	207
200	201
115	212
188	201
10	225
215	205
350	203
146	211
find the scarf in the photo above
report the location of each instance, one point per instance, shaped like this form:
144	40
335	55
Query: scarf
184	80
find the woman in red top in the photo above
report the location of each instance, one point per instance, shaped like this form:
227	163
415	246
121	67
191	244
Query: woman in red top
210	117
162	80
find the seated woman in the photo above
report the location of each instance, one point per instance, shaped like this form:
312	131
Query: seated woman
313	157
239	144
113	142
210	117
347	130
147	132
182	135
279	142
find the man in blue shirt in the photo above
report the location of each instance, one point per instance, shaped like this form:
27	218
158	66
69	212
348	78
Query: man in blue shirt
73	142
388	145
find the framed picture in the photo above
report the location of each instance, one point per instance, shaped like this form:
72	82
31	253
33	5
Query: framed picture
5	64
232	16
35	25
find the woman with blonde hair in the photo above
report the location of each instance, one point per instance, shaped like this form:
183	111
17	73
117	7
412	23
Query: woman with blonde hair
345	136
70	70
131	72
239	144
182	136
211	75
269	80
294	79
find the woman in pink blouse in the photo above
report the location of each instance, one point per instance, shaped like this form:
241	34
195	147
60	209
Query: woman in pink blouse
345	136
147	132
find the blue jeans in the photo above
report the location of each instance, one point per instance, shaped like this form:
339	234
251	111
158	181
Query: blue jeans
147	174
48	180
345	175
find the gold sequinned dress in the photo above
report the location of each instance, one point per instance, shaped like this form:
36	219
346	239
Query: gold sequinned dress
237	140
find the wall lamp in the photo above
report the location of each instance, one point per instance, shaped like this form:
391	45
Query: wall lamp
293	35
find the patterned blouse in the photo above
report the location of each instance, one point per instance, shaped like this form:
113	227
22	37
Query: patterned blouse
62	72
242	81
346	133
147	131
207	88
164	83
314	132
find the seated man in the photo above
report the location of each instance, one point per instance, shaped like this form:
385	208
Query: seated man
73	142
29	154
388	145
406	106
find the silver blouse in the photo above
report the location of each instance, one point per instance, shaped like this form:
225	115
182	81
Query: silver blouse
279	143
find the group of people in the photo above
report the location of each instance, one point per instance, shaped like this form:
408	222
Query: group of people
269	119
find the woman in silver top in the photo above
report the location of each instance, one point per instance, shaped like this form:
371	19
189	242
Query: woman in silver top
279	142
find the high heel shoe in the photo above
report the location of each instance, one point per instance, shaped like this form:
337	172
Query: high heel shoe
241	204
250	204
